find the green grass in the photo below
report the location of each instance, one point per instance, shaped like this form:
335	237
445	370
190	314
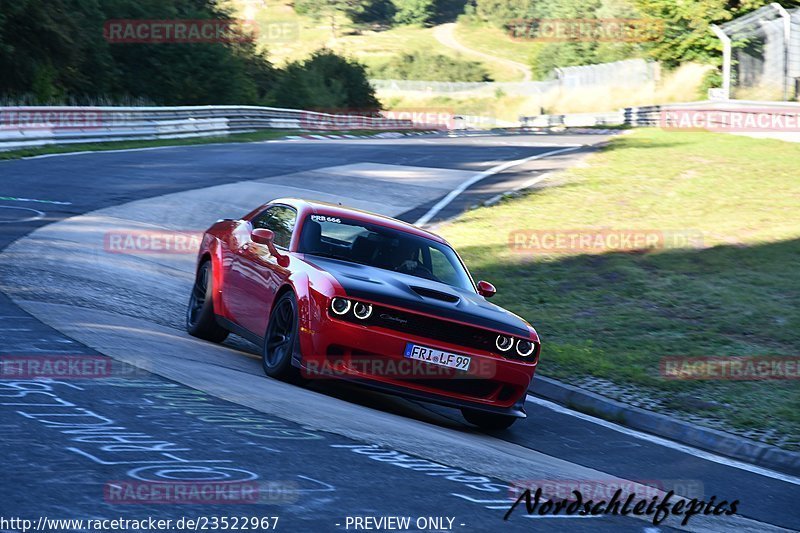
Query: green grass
615	314
258	136
377	48
373	47
311	35
502	107
495	41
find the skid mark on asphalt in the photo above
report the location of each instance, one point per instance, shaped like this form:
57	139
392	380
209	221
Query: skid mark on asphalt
9	214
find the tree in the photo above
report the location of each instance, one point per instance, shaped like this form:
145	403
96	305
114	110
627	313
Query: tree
382	11
330	10
681	28
54	51
434	67
414	11
502	12
46	52
326	82
686	25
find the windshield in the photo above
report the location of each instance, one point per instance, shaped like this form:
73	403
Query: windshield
383	247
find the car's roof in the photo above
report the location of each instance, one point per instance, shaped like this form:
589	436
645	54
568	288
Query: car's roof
305	207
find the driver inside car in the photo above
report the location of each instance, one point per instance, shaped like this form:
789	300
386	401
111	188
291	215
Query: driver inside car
407	256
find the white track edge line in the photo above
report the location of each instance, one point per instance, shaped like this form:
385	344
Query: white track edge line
444	202
684	448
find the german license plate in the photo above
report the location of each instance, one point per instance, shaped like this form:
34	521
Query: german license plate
437	357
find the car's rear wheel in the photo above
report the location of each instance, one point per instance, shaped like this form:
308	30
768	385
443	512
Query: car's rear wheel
200	321
488	421
281	340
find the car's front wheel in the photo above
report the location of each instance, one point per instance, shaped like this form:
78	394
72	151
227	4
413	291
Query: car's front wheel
488	421
200	320
281	340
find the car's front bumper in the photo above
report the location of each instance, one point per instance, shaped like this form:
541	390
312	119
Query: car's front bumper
374	357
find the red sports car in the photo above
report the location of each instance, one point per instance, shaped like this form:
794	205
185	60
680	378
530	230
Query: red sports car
332	292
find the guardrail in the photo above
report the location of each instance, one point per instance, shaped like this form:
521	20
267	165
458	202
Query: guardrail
661	115
740	111
575	120
22	127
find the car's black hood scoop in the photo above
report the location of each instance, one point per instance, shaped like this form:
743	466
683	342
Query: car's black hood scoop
418	294
436	295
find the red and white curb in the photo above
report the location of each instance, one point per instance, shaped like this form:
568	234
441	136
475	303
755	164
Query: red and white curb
328	136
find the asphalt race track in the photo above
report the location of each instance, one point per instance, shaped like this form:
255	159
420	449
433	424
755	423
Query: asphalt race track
320	453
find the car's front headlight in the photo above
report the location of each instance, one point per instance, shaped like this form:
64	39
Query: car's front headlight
525	347
504	343
340	306
362	310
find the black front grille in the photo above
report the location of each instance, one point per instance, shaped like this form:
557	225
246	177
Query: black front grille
431	328
467	387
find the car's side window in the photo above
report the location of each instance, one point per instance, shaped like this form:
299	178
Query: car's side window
280	220
442	269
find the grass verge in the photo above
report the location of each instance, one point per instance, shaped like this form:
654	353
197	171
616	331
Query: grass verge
495	41
372	46
612	315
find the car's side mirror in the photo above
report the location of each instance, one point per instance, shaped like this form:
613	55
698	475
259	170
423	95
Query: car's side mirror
266	237
263	236
486	289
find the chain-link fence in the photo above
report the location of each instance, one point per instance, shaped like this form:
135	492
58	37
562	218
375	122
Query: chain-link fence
631	73
765	53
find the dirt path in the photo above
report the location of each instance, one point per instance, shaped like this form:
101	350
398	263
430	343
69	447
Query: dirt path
445	34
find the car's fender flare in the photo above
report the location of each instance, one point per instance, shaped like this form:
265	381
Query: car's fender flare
211	250
298	284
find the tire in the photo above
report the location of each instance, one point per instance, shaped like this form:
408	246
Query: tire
200	320
488	421
282	340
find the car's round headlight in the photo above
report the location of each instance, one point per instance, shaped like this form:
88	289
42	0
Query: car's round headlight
340	306
504	343
525	348
362	310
